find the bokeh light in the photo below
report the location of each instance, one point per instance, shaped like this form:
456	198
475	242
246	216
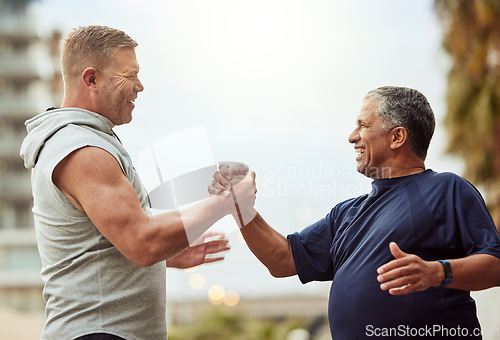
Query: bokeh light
231	298
216	294
197	281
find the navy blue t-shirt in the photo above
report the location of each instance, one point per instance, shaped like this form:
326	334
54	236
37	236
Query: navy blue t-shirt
433	215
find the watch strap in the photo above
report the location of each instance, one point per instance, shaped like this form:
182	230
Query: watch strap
448	275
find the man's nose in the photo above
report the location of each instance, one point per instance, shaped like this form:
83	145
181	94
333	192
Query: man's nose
354	136
138	87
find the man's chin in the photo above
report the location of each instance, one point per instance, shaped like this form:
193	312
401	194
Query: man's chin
370	172
362	169
126	119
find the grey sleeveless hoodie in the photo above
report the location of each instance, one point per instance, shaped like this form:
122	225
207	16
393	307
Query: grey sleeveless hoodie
89	286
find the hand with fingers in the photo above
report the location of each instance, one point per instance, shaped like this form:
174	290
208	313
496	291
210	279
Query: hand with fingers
235	181
408	273
209	243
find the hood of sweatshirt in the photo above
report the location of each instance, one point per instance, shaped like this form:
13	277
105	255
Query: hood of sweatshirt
41	127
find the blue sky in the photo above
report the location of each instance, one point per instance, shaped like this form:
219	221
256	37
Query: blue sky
277	85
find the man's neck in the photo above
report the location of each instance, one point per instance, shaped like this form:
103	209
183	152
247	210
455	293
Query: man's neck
405	164
405	172
399	169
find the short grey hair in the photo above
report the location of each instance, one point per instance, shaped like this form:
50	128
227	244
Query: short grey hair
408	108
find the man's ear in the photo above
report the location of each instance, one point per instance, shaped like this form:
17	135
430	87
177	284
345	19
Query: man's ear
89	78
399	135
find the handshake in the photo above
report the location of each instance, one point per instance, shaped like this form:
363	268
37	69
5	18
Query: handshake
234	181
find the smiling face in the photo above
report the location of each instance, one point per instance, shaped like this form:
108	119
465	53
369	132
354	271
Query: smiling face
372	142
120	86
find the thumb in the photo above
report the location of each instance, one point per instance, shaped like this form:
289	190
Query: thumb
395	251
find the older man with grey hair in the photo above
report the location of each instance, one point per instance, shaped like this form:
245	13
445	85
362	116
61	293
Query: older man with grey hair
403	258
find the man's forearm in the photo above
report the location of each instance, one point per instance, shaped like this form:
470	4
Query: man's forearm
408	273
270	247
172	232
475	272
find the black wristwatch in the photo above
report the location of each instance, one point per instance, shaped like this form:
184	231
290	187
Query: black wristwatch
448	275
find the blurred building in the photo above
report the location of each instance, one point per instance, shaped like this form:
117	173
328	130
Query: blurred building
30	81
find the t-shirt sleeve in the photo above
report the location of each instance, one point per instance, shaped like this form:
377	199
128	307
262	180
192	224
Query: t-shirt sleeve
477	230
311	251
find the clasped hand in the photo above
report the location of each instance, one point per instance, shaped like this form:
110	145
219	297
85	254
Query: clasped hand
236	182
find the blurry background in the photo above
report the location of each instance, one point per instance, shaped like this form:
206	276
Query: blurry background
277	85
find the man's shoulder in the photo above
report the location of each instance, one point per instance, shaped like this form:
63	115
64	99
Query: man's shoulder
448	182
445	177
88	163
68	139
84	145
438	179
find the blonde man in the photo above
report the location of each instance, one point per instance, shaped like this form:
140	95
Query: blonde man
103	254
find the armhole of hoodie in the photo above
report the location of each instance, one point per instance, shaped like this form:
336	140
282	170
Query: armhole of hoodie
66	151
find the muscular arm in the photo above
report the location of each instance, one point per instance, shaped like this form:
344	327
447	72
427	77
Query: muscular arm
270	247
93	182
408	273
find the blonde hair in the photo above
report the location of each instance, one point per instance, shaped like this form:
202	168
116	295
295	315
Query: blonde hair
91	46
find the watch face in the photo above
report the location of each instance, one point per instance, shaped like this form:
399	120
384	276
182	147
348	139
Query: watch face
447	267
448	275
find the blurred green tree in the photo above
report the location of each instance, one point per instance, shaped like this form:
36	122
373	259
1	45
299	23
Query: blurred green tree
471	37
222	324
